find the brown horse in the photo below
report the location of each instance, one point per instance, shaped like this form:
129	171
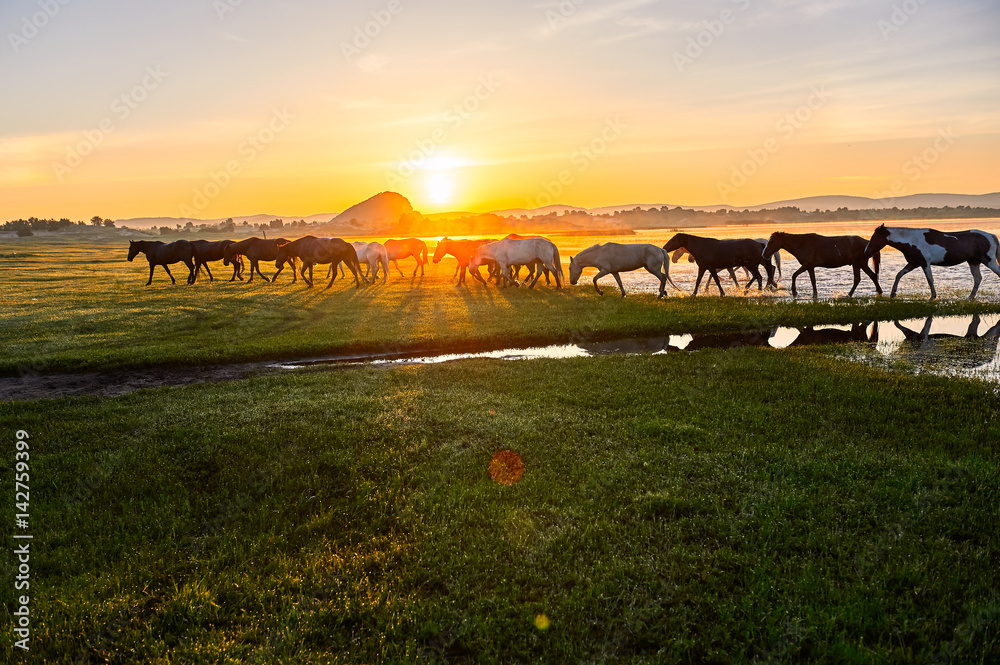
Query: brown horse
161	254
313	250
401	249
713	255
257	250
813	251
462	250
205	251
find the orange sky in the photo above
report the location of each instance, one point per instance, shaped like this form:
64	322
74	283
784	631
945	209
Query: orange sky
291	110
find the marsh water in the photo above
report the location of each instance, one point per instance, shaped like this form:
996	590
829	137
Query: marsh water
950	345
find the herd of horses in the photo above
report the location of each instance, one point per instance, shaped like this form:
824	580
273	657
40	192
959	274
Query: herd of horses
504	258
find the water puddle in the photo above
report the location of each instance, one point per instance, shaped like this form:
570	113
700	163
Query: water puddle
950	345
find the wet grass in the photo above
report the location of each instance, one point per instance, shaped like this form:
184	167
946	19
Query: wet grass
76	306
721	506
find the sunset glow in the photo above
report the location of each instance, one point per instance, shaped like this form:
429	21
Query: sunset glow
221	109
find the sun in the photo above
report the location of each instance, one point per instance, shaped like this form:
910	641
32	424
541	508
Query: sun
440	188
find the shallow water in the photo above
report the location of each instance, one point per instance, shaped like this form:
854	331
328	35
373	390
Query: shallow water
951	346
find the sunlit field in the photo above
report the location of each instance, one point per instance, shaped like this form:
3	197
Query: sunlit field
747	505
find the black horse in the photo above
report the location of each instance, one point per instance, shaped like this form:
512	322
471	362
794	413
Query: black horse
162	254
713	255
813	251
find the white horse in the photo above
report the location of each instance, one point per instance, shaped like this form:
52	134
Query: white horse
515	252
612	258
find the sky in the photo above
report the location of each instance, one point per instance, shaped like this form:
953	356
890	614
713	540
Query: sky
219	108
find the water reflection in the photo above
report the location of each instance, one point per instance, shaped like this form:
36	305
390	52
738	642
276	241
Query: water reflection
953	345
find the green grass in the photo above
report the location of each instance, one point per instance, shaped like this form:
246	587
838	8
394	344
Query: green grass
739	506
77	305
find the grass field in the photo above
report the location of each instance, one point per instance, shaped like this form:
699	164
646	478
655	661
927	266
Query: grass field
71	306
746	505
738	506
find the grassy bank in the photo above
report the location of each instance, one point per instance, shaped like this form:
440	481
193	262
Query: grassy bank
709	507
74	307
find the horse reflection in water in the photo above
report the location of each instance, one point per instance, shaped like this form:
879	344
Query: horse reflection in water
858	334
671	343
947	350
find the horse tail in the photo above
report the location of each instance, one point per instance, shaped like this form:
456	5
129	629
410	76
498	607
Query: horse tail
423	251
777	262
666	267
876	262
557	264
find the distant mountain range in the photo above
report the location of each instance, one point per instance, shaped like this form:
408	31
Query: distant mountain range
805	204
382	211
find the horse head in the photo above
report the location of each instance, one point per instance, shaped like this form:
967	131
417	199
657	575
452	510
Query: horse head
575	269
879	239
675	243
133	249
441	249
773	244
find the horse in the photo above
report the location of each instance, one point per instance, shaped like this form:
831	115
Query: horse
462	250
401	249
813	251
509	252
205	251
313	250
612	258
257	250
713	255
372	255
923	248
531	266
162	254
676	256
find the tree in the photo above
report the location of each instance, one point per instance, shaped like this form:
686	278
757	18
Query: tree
109	223
96	220
277	224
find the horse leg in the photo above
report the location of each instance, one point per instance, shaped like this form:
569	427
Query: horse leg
538	274
167	268
655	272
857	280
395	262
334	278
191	277
732	273
907	268
209	271
794	276
812	279
701	273
977	278
871	274
715	275
599	275
930	282
475	273
755	275
151	267
619	280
